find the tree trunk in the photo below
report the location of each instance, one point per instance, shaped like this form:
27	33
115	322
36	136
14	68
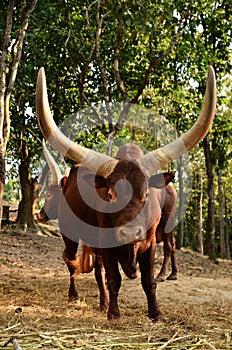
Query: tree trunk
30	190
11	47
227	250
1	195
200	246
221	217
2	181
210	226
180	229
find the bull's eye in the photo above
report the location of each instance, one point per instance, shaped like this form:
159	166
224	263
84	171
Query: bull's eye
110	196
48	195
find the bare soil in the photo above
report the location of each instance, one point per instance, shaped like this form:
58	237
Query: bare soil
34	310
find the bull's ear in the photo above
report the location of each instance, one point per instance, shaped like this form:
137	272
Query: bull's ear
95	181
63	181
161	180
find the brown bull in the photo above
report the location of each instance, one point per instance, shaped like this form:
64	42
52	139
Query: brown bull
164	232
118	210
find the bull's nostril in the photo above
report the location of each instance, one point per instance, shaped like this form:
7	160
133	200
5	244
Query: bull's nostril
138	233
123	235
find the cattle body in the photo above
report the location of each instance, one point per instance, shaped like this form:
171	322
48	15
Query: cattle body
115	205
127	255
136	242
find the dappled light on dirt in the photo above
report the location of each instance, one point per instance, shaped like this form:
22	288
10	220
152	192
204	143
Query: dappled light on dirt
35	311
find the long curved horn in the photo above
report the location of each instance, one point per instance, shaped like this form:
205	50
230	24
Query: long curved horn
100	163
158	158
53	166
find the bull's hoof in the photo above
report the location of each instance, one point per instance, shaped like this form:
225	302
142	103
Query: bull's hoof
72	298
172	277
156	318
104	307
113	316
104	303
159	278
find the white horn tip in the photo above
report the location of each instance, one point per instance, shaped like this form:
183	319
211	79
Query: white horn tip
211	73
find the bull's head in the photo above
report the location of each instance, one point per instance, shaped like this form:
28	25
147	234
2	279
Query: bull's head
128	197
49	211
139	171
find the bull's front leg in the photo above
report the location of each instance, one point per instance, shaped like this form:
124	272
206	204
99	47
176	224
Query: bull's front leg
113	281
70	256
146	264
99	272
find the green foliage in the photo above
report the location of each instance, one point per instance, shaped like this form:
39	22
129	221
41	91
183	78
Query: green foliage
62	37
11	191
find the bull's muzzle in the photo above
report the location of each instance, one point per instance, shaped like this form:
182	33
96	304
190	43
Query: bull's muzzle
128	235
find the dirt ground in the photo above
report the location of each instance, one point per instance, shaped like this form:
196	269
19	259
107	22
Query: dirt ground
34	309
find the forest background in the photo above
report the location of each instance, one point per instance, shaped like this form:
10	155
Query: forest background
151	53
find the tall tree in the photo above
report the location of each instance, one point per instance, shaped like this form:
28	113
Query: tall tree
200	245
210	226
29	188
118	46
221	216
208	37
222	140
16	15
